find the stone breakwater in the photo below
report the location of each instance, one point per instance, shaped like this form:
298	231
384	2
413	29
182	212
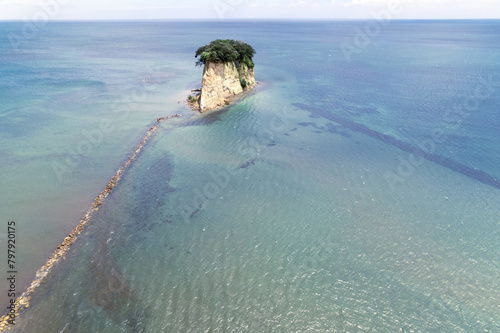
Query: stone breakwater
23	301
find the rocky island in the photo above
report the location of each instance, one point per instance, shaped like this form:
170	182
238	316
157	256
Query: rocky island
228	71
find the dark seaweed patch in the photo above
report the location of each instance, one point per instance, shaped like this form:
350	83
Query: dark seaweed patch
329	127
247	164
209	118
468	171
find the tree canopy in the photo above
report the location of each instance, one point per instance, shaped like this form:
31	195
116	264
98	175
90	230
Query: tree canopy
225	50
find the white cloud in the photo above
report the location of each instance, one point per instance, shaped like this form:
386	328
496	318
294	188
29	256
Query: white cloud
19	3
327	9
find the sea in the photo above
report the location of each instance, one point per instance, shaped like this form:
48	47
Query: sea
355	189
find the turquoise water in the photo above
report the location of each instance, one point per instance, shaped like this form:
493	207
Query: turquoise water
340	196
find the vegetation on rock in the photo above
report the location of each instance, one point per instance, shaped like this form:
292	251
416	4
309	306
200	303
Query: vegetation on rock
229	70
226	50
243	83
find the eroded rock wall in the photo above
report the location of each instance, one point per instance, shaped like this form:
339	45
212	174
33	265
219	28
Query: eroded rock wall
221	81
247	74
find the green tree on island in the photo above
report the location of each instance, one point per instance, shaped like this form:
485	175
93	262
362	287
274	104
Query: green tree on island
226	50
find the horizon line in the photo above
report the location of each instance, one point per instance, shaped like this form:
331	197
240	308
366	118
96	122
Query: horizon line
247	19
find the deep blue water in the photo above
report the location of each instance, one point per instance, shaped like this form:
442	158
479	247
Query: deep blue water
352	192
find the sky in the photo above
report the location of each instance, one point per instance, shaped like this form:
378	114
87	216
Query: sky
42	10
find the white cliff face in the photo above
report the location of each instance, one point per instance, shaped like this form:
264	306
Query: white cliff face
220	81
